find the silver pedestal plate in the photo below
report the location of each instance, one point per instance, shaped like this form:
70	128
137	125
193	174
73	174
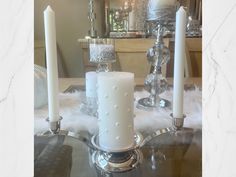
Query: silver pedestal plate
157	56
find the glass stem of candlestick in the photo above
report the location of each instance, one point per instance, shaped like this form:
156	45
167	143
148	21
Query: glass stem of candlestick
154	96
160	44
102	67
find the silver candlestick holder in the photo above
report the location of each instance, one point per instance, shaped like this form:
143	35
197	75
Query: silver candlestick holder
117	161
54	127
157	56
178	122
55	130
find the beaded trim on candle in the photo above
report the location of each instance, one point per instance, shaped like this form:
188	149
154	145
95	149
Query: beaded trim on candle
101	53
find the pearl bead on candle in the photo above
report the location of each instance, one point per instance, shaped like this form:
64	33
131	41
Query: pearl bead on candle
115	110
179	63
52	71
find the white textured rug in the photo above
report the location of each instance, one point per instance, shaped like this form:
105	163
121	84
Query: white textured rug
76	121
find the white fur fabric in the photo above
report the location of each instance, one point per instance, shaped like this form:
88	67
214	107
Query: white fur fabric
76	121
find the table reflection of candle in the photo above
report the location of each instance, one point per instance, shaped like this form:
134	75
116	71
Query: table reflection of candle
179	63
91	84
52	71
115	110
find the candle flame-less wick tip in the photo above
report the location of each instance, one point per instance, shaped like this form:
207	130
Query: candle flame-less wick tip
48	8
181	8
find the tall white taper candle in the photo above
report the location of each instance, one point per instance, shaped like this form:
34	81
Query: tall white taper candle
52	71
179	63
115	110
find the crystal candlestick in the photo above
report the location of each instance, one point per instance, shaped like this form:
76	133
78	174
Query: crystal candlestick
158	56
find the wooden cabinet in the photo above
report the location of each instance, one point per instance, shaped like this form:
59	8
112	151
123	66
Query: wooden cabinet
39	53
194	52
131	55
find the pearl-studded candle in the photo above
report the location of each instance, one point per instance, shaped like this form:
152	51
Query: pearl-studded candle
115	110
91	84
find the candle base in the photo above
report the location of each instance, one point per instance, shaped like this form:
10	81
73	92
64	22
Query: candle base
116	161
178	122
54	127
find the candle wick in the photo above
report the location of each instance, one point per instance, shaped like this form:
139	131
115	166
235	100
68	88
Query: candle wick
49	8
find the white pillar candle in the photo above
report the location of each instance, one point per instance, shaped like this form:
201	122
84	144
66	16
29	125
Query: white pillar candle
91	84
159	4
115	110
52	71
179	63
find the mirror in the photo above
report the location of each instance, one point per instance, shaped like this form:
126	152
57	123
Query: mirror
127	18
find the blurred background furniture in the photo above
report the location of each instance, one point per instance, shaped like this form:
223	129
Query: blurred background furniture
131	56
194	57
39	53
72	23
40	57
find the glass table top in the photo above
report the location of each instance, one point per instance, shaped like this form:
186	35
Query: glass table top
173	154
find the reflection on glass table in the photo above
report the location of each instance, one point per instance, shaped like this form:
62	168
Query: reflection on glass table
168	155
